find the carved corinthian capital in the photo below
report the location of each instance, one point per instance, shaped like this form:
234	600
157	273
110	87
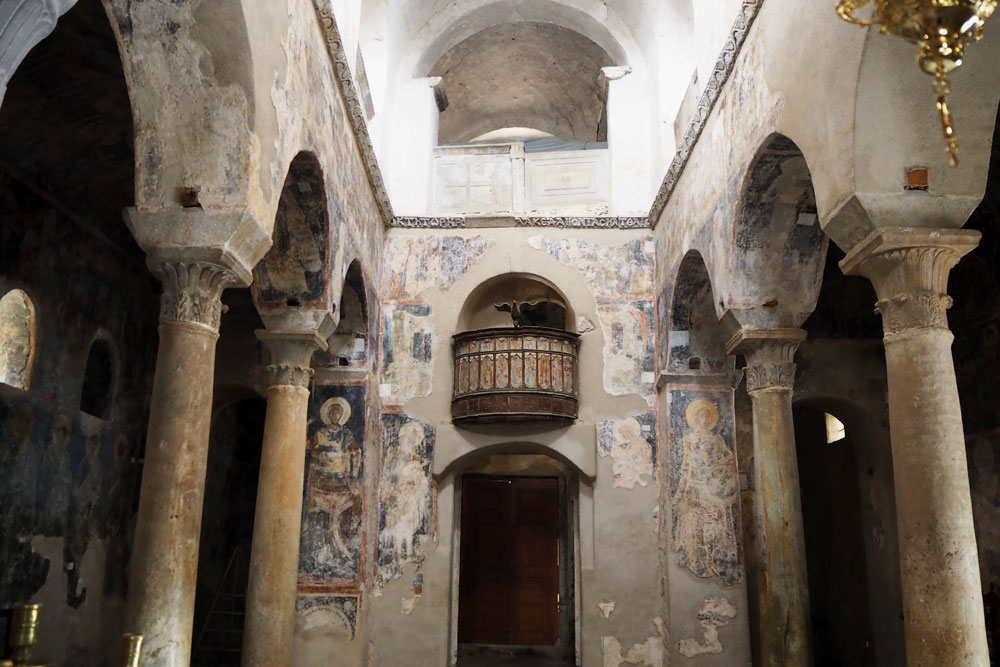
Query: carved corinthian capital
769	354
909	268
291	355
192	291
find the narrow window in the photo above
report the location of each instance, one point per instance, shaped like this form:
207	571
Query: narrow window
98	378
17	339
834	429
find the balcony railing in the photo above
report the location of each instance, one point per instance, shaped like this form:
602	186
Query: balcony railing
515	374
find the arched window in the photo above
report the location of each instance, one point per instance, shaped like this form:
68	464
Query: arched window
17	339
98	380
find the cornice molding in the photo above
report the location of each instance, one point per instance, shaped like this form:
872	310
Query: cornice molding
720	74
355	108
563	222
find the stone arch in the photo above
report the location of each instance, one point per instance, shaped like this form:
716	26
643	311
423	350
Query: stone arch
17	339
696	338
191	80
777	243
295	271
100	377
23	24
68	104
848	499
574	458
349	344
479	310
612	39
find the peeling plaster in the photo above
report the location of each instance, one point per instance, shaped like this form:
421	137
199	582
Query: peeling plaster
650	652
631	444
714	614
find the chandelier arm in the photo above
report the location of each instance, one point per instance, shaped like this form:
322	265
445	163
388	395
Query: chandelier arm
942	89
847	8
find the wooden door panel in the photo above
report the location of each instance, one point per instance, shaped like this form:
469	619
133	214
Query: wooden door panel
509	565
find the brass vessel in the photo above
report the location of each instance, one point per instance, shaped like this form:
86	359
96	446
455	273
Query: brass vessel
23	635
131	649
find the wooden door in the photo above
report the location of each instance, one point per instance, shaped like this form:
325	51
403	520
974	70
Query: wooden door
509	576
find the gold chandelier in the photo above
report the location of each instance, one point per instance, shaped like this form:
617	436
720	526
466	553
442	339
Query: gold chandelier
942	29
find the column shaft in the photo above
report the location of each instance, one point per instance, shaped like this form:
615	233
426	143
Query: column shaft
269	628
783	587
939	563
164	565
274	561
942	593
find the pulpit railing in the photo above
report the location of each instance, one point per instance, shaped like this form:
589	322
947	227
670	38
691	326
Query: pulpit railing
515	374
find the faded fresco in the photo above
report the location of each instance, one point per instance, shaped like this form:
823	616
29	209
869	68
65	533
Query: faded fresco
333	507
65	474
621	278
704	485
406	498
310	112
631	445
629	348
406	352
416	263
614	272
61	475
714	614
297	264
329	612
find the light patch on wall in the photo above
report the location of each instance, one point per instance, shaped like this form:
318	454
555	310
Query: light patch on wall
606	607
611	271
714	614
628	348
416	263
631	445
835	430
406	351
650	652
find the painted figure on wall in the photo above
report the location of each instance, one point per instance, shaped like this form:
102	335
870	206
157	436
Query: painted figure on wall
705	499
630	443
333	512
405	492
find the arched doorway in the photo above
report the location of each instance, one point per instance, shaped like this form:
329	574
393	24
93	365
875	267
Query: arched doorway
833	521
516	560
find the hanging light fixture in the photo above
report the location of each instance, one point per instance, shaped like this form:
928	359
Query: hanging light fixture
942	29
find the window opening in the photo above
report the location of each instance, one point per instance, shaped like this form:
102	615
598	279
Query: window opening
17	339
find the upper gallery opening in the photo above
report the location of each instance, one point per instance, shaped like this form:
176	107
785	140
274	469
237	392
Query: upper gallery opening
525	74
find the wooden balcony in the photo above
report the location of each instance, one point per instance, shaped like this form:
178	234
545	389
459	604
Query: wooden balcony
515	375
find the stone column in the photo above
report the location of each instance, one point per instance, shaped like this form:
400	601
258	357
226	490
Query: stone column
942	594
164	565
783	588
274	559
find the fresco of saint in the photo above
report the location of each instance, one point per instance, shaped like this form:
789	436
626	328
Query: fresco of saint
333	500
706	499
